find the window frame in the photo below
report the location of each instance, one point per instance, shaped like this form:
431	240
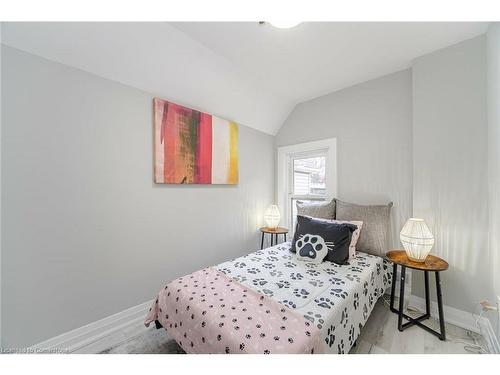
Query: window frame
284	186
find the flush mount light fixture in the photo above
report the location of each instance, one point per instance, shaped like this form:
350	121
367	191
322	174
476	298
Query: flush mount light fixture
282	24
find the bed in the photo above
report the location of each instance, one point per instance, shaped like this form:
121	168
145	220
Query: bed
270	302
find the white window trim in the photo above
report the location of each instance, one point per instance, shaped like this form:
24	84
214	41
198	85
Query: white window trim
285	154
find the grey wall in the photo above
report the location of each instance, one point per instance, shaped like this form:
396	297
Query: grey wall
88	233
450	170
493	63
372	124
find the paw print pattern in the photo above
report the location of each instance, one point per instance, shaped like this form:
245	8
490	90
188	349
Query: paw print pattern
314	318
341	347
296	276
356	300
272	259
240	278
276	273
330	336
363	264
330	271
240	264
316	283
311	265
312	272
365	288
338	293
253	270
365	311
225	271
283	284
324	302
290	265
268	265
267	292
289	303
351	335
355	269
344	318
352	277
301	293
273	252
259	282
370	300
336	281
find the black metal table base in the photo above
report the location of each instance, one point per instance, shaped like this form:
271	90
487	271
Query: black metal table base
274	238
417	321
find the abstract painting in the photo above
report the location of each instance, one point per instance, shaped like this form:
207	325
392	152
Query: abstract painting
193	147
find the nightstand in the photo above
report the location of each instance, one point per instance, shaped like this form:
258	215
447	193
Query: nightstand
431	264
274	232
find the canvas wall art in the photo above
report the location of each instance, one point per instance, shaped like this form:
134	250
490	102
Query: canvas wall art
193	147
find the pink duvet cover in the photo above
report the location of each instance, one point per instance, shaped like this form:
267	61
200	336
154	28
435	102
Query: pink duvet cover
207	312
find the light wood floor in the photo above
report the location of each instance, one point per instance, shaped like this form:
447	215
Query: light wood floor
379	336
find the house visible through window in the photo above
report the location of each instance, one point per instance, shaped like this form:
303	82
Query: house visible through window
309	181
307	173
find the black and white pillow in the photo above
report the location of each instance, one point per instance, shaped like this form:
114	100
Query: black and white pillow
316	240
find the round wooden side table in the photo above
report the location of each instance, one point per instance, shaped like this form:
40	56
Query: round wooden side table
274	232
432	264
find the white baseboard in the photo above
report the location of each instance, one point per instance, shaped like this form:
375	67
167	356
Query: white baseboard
462	319
76	339
489	335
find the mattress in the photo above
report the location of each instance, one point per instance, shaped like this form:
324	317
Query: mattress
270	302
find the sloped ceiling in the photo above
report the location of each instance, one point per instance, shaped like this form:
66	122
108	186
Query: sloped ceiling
250	73
157	58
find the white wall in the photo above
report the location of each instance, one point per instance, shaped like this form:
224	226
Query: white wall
450	167
493	63
372	124
88	232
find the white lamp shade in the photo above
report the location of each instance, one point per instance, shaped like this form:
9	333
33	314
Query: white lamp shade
272	216
417	239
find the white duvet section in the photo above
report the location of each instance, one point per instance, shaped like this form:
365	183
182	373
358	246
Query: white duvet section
337	299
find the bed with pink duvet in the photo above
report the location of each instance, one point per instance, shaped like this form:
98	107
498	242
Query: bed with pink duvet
269	302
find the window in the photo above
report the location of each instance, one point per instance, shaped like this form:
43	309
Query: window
306	172
308	181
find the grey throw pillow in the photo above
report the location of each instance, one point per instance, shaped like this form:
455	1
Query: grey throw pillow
374	236
319	210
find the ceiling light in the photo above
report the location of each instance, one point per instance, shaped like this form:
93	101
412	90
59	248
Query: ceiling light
285	24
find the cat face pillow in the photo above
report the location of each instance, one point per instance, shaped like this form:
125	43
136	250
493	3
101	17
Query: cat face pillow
316	240
311	247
